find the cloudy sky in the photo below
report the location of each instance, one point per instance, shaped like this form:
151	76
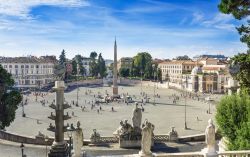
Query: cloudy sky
165	28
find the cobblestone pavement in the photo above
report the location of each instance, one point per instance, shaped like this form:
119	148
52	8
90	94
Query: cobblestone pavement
164	114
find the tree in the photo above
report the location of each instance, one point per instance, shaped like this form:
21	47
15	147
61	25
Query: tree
93	67
142	62
78	60
8	100
233	119
93	55
185	57
74	67
62	58
124	72
239	9
243	76
101	66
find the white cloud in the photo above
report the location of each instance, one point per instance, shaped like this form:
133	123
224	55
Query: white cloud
219	21
21	8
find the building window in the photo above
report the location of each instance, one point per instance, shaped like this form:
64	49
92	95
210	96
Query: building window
37	66
32	66
16	72
10	66
22	66
16	66
5	66
26	66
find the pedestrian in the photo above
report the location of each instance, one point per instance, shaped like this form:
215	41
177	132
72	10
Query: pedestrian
98	111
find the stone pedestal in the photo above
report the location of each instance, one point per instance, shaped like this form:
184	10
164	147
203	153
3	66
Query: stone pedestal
208	152
130	143
58	150
143	154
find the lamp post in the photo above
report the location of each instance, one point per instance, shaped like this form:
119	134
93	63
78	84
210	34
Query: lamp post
185	111
22	147
154	81
77	97
46	141
23	114
70	130
141	81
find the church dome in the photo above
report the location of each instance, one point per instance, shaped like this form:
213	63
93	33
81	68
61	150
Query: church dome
196	70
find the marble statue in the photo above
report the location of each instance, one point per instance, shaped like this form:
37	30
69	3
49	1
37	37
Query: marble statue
210	140
77	140
95	137
137	116
147	135
210	135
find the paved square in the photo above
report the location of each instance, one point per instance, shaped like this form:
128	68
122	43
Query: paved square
164	114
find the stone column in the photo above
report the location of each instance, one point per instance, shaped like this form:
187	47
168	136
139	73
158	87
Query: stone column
115	86
59	147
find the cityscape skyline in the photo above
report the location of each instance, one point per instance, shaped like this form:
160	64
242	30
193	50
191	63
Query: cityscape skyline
163	28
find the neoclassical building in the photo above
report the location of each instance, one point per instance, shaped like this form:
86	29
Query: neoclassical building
30	71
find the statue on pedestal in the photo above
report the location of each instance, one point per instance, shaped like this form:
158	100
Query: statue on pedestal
77	140
136	118
210	139
147	135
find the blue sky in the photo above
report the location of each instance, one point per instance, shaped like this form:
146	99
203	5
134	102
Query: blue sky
165	28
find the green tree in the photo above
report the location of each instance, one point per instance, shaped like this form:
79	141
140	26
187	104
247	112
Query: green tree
185	57
8	100
101	66
74	67
142	62
81	70
93	66
240	9
124	72
233	119
62	58
243	76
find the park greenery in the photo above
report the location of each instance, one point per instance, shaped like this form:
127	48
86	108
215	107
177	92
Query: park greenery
233	118
97	65
9	99
233	112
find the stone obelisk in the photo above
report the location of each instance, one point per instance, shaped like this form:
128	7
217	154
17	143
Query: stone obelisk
115	86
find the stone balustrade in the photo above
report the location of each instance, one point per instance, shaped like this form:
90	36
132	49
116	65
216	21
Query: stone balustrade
188	154
243	153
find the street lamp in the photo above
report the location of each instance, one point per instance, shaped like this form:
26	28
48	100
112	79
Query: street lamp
22	147
23	114
154	81
141	80
46	141
70	130
77	97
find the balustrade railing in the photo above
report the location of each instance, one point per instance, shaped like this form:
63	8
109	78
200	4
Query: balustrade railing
242	153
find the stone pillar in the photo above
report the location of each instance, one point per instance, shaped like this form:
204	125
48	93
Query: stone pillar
59	147
115	86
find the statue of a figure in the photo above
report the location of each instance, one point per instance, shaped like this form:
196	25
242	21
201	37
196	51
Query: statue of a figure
77	140
137	116
210	136
147	135
59	72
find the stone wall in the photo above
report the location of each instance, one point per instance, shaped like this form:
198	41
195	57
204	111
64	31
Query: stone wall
24	139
